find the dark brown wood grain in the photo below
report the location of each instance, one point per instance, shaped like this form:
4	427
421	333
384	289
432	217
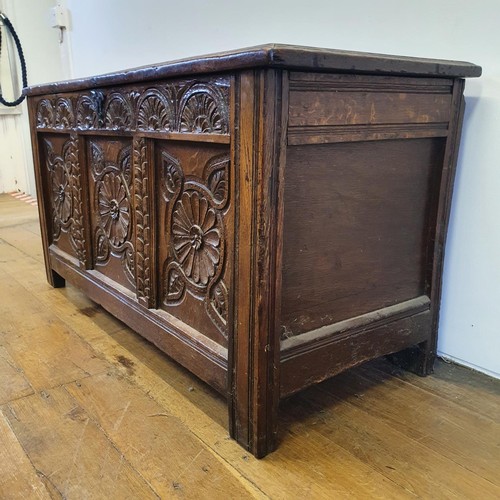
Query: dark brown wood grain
320	108
194	283
274	56
254	381
309	366
268	217
355	228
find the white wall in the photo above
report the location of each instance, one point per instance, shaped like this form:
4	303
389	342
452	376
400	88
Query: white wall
470	321
30	19
107	35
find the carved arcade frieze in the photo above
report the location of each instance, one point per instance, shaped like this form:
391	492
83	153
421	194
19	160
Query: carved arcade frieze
200	107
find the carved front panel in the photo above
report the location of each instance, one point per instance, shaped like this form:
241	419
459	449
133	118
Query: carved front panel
63	185
185	106
112	211
195	234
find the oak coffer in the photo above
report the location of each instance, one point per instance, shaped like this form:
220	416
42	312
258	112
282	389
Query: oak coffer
267	217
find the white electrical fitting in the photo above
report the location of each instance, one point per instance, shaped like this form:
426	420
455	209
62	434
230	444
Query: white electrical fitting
59	19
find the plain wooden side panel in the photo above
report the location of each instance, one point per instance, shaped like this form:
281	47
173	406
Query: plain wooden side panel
355	228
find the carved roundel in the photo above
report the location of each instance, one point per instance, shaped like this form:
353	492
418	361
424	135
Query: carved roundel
112	201
196	230
61	193
196	234
114	208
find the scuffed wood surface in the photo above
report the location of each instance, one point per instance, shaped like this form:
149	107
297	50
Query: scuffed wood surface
274	56
18	478
138	425
70	450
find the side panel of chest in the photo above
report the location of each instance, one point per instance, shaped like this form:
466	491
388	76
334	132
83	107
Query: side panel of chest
366	171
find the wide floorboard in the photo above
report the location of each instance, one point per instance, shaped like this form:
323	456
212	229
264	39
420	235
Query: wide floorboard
88	409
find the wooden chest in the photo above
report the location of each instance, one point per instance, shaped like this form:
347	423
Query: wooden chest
268	217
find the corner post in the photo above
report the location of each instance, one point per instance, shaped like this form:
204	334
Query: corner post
53	278
420	359
254	354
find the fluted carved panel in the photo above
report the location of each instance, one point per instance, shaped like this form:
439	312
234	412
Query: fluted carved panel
118	114
156	110
201	110
89	110
45	114
64	115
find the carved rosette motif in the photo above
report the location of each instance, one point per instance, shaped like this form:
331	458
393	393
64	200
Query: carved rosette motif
196	230
113	207
61	195
184	106
66	199
196	237
143	223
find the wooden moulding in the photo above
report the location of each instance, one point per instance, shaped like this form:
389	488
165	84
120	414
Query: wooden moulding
274	56
326	108
319	354
172	136
205	359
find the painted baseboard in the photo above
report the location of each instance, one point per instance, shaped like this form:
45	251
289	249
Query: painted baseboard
474	367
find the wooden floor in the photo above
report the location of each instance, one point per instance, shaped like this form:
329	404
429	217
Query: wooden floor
90	410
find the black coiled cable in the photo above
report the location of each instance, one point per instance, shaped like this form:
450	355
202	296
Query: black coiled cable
24	73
